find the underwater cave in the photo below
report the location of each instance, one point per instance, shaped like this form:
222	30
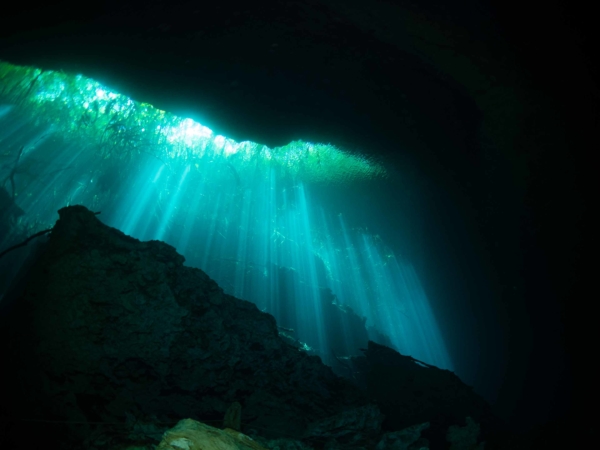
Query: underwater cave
368	173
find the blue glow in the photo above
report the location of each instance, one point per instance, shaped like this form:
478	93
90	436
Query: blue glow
4	109
262	236
136	203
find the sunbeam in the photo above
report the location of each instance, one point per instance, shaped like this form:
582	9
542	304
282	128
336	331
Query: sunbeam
252	217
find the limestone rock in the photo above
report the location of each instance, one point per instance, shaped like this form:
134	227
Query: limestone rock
189	434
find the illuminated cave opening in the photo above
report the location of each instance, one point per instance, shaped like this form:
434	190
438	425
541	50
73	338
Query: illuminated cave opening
250	216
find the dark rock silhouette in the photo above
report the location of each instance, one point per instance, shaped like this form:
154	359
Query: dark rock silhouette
107	326
109	340
410	392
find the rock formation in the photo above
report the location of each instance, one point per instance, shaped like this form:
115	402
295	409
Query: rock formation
106	327
409	392
108	340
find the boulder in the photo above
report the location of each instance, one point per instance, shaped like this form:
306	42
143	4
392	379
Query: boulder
189	434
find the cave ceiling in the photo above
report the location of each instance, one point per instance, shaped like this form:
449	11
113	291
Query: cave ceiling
380	77
441	91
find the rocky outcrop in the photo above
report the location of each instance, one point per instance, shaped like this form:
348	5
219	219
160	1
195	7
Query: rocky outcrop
410	392
108	340
110	330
